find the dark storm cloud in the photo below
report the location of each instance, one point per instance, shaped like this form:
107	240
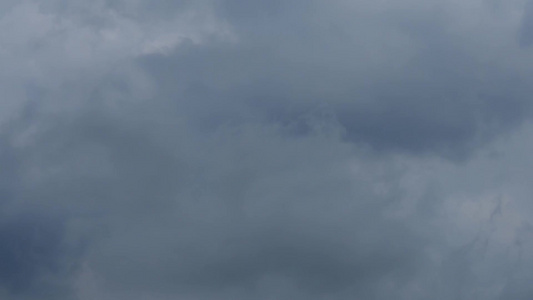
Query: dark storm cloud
231	209
37	257
397	80
257	150
31	248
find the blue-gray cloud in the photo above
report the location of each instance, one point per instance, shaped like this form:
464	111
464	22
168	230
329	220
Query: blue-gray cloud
251	150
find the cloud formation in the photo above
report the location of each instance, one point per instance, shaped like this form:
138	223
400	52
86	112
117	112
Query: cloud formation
265	150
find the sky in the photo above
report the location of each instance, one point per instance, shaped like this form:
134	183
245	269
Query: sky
260	150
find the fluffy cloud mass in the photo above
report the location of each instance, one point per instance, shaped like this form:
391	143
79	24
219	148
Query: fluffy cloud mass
237	149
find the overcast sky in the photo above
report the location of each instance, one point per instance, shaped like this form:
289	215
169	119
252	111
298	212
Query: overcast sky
266	150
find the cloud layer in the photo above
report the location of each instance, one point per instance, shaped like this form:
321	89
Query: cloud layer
265	150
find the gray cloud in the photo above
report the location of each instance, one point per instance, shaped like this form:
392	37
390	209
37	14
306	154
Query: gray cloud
524	36
250	150
33	255
396	79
